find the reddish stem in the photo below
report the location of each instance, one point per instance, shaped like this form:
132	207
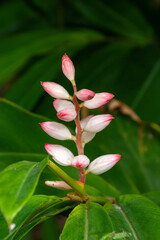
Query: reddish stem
82	176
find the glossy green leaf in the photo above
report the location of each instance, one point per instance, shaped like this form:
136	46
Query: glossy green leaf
90	221
18	182
38	209
136	215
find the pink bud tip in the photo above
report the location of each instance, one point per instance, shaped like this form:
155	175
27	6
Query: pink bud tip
85	94
55	90
67	115
68	67
80	161
99	100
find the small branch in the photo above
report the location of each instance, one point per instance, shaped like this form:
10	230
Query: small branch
79	188
101	200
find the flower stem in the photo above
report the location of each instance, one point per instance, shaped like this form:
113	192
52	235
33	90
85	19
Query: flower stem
78	141
79	188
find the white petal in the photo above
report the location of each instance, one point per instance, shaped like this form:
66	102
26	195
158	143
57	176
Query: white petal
55	90
80	161
56	130
103	163
60	104
98	123
60	154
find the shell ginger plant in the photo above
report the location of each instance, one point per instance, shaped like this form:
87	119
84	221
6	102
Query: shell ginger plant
68	109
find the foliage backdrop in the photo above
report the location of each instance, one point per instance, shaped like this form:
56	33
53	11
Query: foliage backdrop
115	47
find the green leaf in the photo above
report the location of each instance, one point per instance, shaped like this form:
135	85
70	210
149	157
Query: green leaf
118	68
17	50
123	18
154	196
136	215
18	182
38	209
90	221
4	226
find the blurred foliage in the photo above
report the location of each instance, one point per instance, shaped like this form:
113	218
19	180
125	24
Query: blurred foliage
115	47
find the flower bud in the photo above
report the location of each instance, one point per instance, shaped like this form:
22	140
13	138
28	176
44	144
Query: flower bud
85	94
55	90
60	104
98	123
80	161
57	130
58	184
103	163
67	115
60	154
68	67
99	100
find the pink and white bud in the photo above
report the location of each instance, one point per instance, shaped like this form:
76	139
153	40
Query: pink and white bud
99	100
67	114
80	161
68	67
60	154
55	90
85	94
60	104
98	123
58	184
57	130
103	163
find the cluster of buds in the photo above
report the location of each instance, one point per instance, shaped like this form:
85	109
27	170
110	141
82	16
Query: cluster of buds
68	109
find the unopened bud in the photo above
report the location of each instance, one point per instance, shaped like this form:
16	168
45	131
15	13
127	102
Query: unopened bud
103	163
80	161
60	154
99	100
58	184
55	90
68	67
57	130
85	94
98	123
67	114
